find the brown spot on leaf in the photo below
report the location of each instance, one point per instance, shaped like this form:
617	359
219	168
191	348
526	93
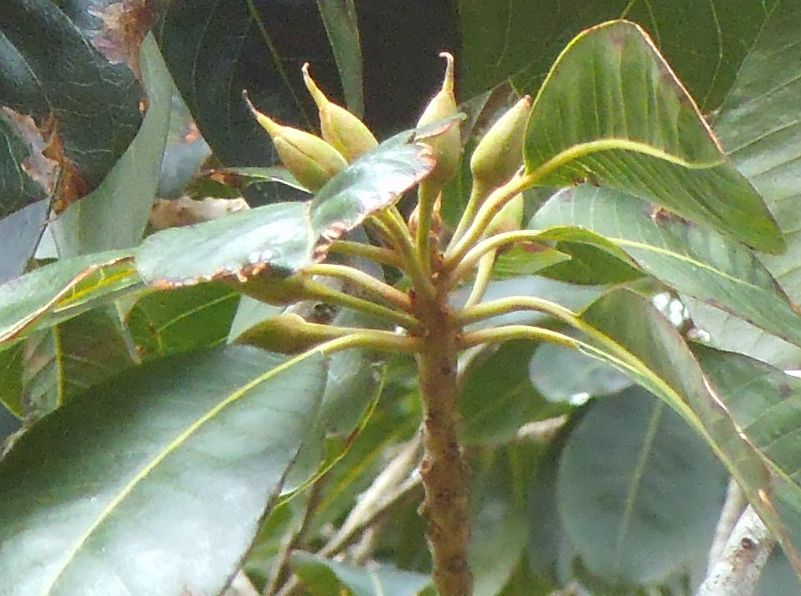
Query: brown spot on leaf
37	166
124	26
71	185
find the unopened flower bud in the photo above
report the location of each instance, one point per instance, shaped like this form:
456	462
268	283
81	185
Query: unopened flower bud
344	131
308	157
509	218
447	147
499	154
286	333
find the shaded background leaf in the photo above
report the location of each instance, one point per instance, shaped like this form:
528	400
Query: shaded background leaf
639	491
60	67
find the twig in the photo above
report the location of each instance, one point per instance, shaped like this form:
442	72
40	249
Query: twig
732	510
390	487
739	568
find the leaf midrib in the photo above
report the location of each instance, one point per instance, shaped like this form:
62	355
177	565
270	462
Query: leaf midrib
168	450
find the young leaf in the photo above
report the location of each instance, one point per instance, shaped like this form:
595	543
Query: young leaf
174	462
612	111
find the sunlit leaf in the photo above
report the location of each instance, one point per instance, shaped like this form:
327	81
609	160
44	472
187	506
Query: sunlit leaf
612	112
174	462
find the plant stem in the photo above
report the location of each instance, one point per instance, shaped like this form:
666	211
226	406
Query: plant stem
322	292
366	251
427	197
738	571
444	469
395	226
483	276
494	203
489	244
477	195
363	281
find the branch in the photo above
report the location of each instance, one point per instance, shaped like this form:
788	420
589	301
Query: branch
732	509
738	571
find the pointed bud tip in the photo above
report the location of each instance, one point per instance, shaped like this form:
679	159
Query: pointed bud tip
317	95
447	83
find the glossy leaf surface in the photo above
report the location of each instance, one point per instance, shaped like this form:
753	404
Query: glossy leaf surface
65	85
611	111
115	214
174	463
283	237
65	360
759	127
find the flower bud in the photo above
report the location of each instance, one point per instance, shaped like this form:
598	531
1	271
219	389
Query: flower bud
309	158
286	333
500	153
447	147
344	131
509	218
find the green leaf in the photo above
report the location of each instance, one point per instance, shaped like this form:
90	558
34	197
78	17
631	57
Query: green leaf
67	359
383	578
214	51
499	525
759	127
11	379
116	213
284	237
650	350
625	480
65	72
165	323
526	260
19	235
497	397
568	376
341	24
611	111
724	331
135	472
704	41
692	258
764	403
62	290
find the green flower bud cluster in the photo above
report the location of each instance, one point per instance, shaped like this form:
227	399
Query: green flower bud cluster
311	159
